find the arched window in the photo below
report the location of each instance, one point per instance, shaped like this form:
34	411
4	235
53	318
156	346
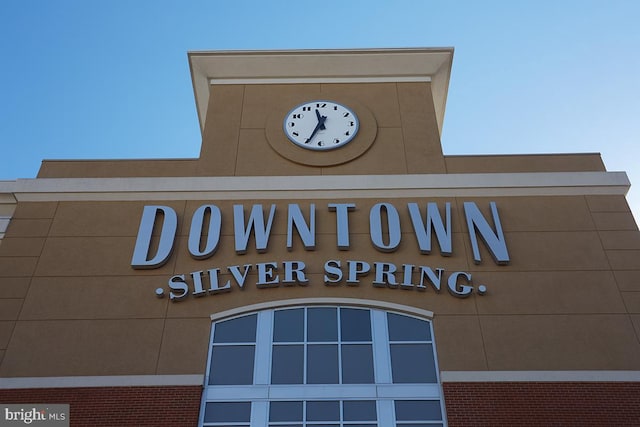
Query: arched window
322	365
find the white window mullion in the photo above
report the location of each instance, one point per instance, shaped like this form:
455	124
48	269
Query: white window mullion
262	361
304	345
236	392
386	415
323	392
381	356
339	346
259	413
443	410
304	410
203	401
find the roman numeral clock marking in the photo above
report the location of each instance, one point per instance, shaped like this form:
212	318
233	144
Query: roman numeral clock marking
321	125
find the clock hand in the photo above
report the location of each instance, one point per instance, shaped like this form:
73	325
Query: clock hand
319	126
320	119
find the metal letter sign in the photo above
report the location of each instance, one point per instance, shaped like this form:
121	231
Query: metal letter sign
213	236
433	220
168	229
158	226
495	241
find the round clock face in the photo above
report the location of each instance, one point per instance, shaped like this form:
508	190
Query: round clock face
321	125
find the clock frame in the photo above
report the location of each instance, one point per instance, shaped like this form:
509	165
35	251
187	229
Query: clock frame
321	125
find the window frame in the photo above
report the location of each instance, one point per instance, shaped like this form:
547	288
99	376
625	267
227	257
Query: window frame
383	391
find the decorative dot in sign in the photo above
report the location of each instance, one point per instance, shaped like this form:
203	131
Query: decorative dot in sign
482	289
160	293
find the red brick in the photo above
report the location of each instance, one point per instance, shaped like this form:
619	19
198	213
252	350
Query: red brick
545	403
109	406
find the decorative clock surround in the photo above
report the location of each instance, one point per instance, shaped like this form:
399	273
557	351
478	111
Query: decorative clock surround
320	132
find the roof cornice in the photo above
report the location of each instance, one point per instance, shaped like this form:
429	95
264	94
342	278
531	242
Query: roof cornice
321	66
316	187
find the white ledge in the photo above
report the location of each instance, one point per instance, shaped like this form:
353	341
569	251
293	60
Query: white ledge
102	381
539	376
318	187
198	380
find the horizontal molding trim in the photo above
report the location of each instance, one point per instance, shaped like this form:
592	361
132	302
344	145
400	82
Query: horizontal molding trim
198	380
102	381
539	376
304	80
318	187
4	223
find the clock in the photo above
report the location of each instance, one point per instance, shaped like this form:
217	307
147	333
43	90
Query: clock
321	125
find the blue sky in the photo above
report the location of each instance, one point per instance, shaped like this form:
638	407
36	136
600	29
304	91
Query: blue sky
83	79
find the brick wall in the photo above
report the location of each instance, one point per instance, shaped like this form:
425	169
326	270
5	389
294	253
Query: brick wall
119	406
542	404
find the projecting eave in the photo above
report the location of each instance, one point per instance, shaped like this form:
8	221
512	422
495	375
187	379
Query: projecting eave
328	187
322	66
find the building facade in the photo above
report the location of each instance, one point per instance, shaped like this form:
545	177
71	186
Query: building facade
323	263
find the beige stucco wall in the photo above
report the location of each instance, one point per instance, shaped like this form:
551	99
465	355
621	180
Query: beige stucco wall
407	140
72	305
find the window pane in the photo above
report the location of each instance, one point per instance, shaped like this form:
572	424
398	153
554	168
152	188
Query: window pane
242	329
412	363
360	410
231	364
355	324
404	328
323	410
322	324
285	411
227	412
288	325
322	364
287	364
418	410
357	364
